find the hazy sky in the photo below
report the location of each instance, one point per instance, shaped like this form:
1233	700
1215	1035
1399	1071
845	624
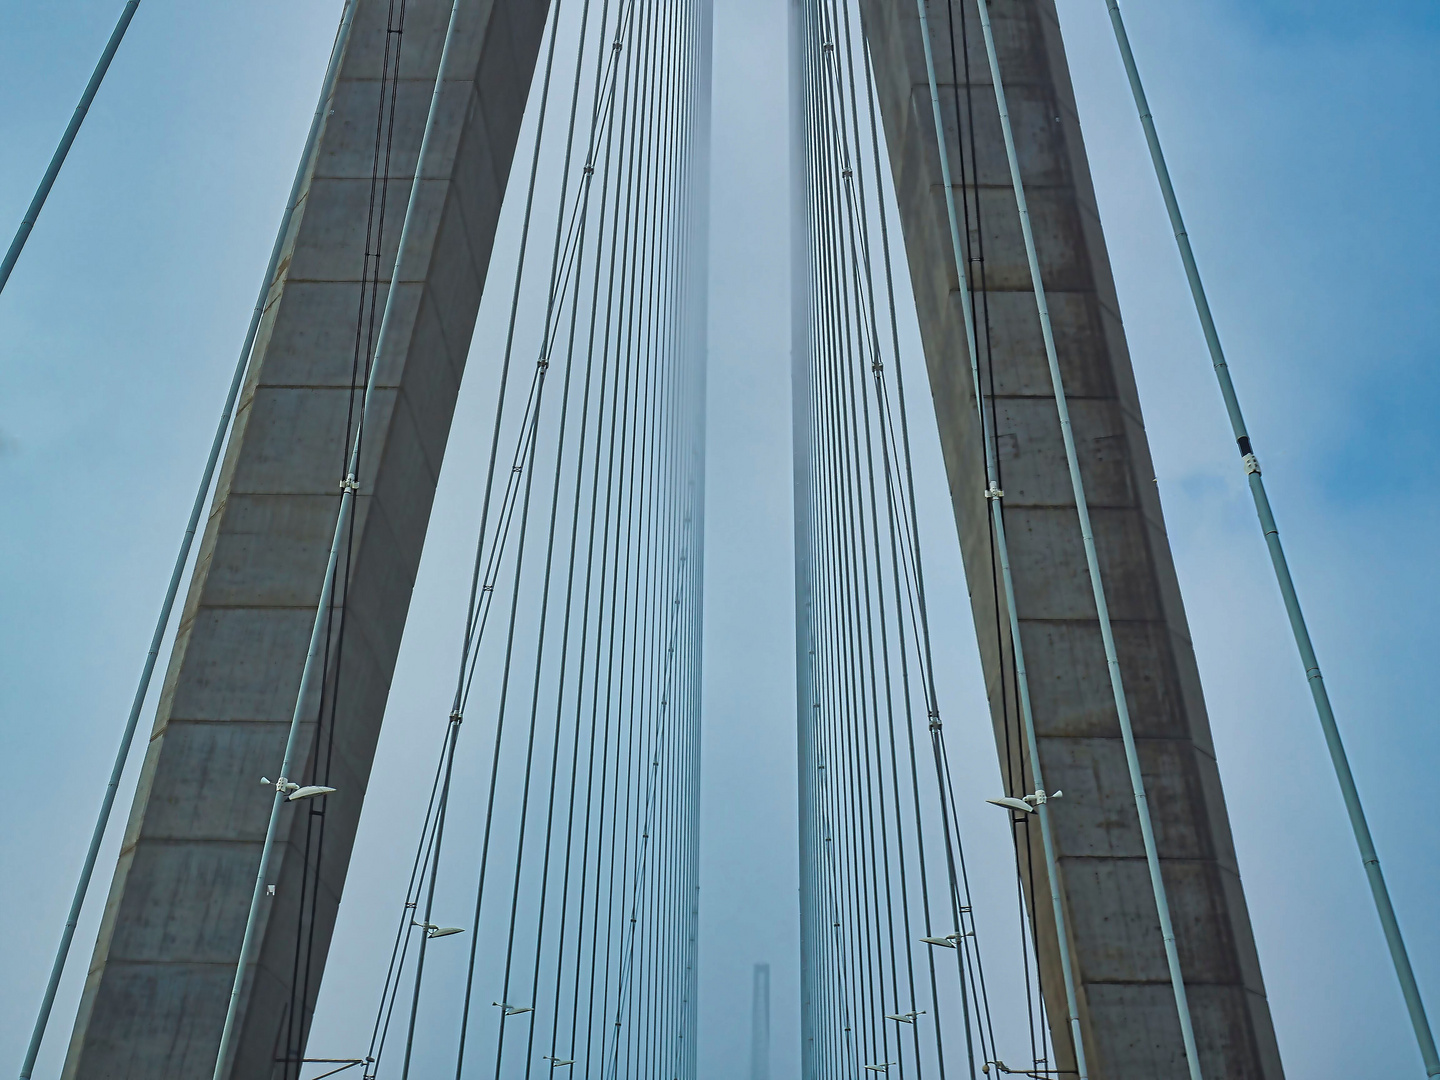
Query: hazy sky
1302	137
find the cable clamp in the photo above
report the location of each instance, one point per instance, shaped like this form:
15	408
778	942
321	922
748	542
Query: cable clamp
615	45
589	170
543	363
876	367
456	716
828	46
993	491
847	172
935	724
1252	464
350	484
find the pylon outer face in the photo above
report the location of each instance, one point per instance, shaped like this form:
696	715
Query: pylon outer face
1126	1001
176	910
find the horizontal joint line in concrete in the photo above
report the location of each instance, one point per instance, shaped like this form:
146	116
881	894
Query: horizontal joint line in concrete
235	720
1118	620
1107	398
1197	860
323	386
1165	981
1021	504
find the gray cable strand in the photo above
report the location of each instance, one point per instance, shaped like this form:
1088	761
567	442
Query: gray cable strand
313	659
1022	681
1323	710
1092	560
167	606
32	212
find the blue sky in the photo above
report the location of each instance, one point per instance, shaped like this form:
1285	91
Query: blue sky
1302	141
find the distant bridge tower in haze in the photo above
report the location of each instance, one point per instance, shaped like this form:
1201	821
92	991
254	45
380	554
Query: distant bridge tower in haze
760	1023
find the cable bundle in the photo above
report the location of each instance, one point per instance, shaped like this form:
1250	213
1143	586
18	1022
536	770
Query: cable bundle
893	981
549	920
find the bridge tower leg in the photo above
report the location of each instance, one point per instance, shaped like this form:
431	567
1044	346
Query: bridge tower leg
1126	1003
157	987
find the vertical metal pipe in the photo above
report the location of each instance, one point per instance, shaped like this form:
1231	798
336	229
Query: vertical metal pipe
167	606
314	668
32	212
1368	857
760	1023
1092	560
993	496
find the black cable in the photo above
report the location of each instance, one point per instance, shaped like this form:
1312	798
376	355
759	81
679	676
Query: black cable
1015	756
529	423
545	587
586	399
302	957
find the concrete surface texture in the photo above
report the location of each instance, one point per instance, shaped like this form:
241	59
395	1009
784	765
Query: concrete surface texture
1126	1001
158	984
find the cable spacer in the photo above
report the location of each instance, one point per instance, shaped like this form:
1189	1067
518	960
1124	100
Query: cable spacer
589	170
350	484
847	172
615	45
456	716
876	367
993	491
828	46
1252	464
